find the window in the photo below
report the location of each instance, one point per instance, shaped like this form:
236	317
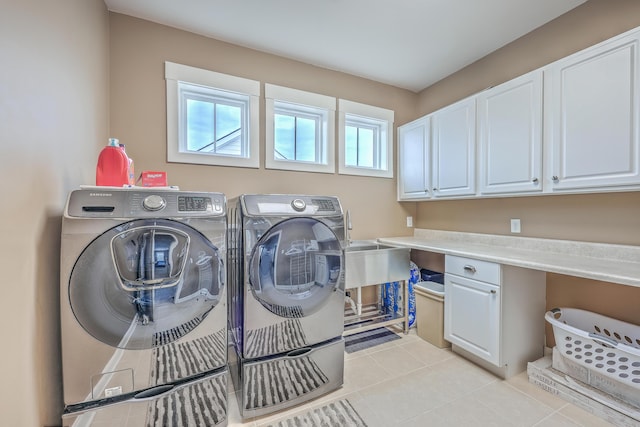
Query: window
212	118
300	130
366	142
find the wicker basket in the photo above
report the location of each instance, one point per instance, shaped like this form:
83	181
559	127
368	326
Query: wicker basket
607	348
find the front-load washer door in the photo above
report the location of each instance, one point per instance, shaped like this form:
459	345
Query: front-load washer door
146	283
295	274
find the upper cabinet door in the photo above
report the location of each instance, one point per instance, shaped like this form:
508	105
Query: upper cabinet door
592	117
510	136
453	144
413	159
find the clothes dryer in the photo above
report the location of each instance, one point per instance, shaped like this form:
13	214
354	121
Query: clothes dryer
144	305
287	299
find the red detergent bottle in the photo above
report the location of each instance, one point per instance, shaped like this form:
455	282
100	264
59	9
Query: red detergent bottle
113	165
130	170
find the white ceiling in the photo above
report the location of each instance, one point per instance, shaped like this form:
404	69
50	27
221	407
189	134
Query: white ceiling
410	44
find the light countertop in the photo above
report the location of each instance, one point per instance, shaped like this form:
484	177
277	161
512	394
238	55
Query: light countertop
598	261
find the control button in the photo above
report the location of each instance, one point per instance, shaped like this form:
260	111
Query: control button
298	205
153	203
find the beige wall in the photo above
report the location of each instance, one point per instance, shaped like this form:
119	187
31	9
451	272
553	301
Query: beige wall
607	218
59	59
138	118
53	117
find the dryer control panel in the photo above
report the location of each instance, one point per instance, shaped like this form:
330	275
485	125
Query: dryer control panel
290	204
144	203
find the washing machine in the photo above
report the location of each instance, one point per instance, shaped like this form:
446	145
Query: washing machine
144	307
286	299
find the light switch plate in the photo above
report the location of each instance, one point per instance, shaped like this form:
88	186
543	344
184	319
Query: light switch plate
409	221
515	225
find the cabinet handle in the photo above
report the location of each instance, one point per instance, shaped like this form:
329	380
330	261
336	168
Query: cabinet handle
535	180
493	291
470	268
435	189
555	178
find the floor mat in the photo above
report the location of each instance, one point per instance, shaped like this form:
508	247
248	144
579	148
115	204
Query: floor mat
368	339
335	414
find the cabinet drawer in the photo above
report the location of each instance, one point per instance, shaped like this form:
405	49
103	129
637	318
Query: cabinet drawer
473	268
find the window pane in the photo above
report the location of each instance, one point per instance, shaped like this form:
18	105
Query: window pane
351	145
366	148
228	120
365	141
211	125
305	139
228	130
300	132
360	147
199	125
223	138
284	137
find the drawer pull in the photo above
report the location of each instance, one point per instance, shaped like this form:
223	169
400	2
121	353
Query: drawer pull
493	291
470	268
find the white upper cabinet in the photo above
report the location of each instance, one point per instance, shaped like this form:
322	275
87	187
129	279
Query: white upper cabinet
592	118
571	127
453	143
510	136
413	158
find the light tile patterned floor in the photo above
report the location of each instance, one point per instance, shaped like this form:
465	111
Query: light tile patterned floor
409	382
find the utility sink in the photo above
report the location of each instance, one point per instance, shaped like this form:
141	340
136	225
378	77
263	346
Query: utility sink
370	263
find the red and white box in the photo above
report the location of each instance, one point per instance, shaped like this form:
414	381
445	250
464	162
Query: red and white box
153	179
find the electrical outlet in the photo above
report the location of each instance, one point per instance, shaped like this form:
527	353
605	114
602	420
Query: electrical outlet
409	221
515	225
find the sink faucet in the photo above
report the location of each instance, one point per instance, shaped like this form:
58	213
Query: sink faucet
348	228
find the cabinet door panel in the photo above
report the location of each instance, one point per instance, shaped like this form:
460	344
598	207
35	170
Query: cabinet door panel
594	107
510	136
472	316
454	130
413	147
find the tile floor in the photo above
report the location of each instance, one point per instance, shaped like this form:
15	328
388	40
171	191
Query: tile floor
409	382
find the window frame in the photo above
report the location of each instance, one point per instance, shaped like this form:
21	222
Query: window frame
298	102
350	112
220	85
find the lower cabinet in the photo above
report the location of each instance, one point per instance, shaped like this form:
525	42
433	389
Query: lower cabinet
473	316
494	314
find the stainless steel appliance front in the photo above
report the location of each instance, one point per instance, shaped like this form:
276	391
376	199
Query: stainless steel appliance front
286	286
143	293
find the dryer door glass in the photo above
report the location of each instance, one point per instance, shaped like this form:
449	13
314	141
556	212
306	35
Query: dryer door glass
295	266
145	283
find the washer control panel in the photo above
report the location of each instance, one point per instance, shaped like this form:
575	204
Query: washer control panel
298	205
194	204
144	203
154	203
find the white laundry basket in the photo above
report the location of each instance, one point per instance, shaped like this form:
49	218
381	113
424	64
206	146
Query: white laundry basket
598	350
